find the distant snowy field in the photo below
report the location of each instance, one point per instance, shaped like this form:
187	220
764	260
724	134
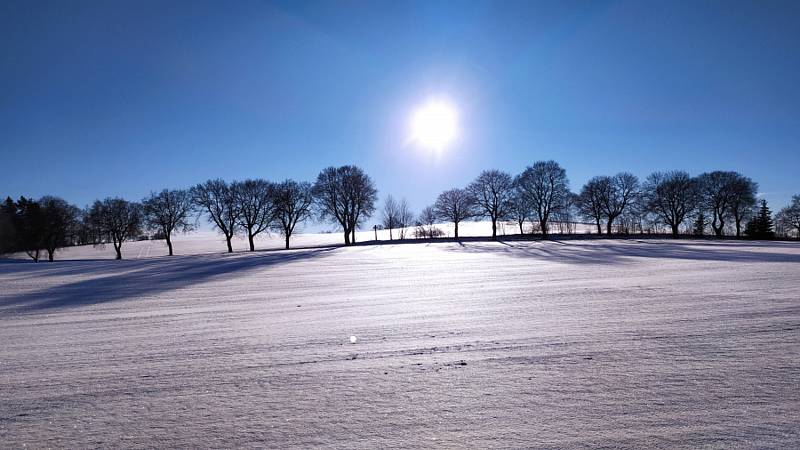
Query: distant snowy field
592	344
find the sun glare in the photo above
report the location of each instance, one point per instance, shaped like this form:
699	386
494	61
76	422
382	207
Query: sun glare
434	125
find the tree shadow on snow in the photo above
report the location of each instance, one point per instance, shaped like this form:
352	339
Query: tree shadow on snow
622	252
123	280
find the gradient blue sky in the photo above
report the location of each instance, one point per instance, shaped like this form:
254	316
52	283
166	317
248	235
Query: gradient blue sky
115	98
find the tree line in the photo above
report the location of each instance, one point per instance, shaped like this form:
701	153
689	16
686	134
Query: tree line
718	202
346	196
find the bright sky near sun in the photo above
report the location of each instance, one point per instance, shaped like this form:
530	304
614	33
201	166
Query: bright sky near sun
434	125
120	98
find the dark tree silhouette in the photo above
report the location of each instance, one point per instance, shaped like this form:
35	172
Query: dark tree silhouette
761	226
545	187
716	190
520	209
60	224
8	232
116	220
743	200
671	197
590	200
254	200
700	223
617	194
789	216
217	200
168	211
345	195
493	192
564	215
293	203
455	205
390	215
28	224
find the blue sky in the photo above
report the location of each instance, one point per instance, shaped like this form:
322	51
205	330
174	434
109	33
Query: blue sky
115	98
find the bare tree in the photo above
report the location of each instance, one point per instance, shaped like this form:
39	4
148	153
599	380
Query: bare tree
455	205
426	224
390	216
255	205
634	217
565	214
217	199
117	220
493	192
545	187
293	202
60	224
345	195
590	200
168	211
520	209
672	196
743	201
789	217
405	217
716	190
619	191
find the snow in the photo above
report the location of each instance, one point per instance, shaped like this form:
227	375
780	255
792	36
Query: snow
653	343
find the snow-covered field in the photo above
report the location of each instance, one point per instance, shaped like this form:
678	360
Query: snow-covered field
525	344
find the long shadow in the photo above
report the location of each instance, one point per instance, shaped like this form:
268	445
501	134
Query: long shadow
621	252
124	280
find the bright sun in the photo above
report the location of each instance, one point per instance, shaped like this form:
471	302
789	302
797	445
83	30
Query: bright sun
434	125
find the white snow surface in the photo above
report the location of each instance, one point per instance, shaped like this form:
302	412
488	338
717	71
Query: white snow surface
556	344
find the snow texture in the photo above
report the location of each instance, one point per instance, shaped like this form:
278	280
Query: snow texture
554	344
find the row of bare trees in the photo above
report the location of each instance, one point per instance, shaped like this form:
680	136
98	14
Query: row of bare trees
344	195
540	193
614	203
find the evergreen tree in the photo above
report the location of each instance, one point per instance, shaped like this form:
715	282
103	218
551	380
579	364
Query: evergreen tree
765	225
761	226
8	226
700	224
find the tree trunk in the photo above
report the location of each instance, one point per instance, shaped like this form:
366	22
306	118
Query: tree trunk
287	241
717	229
169	245
250	240
456	229
609	225
521	223
118	249
353	239
543	224
494	229
674	230
738	227
599	228
228	241
390	235
346	236
50	254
